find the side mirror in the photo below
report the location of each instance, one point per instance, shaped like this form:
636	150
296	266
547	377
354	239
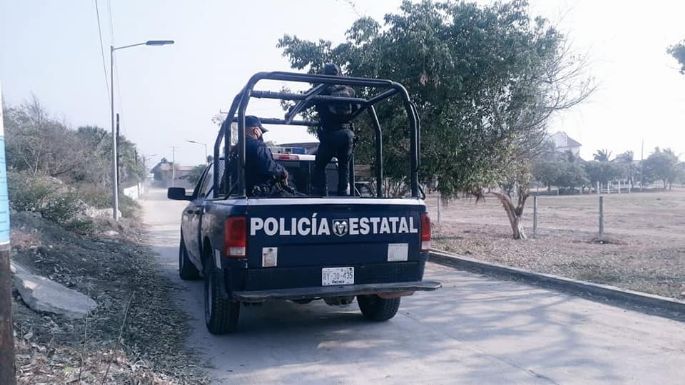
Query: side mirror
177	194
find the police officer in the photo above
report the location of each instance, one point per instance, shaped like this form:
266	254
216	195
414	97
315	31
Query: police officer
261	170
335	135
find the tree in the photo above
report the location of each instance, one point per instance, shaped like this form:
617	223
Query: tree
629	169
661	165
547	171
571	174
41	145
545	168
602	155
678	52
562	170
514	204
38	145
680	172
195	174
484	80
602	172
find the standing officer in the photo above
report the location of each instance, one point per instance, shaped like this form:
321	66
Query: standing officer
335	135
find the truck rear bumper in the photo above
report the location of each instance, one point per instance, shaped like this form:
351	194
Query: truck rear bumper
335	291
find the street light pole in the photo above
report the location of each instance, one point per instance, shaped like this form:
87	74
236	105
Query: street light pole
173	166
204	144
145	159
115	154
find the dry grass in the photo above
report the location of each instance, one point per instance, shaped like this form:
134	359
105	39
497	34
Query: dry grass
135	336
643	248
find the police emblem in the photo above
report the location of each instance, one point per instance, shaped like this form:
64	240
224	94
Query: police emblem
340	227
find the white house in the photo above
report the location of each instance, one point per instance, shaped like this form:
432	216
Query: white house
562	143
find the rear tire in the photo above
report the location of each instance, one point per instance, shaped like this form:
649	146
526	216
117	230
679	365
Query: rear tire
186	270
377	309
221	313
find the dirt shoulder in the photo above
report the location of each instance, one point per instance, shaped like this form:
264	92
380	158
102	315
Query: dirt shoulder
644	247
136	334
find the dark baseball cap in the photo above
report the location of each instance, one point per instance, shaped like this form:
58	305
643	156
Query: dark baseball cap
253	121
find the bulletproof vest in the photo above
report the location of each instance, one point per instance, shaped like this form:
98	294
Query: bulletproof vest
333	114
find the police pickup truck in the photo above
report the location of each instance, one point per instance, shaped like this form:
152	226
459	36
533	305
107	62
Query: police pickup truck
250	250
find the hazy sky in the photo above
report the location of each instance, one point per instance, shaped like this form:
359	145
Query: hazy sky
167	95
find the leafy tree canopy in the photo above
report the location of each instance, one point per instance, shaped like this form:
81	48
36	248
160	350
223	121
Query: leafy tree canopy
603	171
484	80
661	165
43	146
195	174
602	155
559	169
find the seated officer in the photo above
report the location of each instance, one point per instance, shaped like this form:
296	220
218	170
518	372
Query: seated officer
261	170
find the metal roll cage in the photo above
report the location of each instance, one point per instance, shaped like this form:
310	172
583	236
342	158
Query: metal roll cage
387	89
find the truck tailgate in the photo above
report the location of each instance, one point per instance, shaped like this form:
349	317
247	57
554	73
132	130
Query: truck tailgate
333	234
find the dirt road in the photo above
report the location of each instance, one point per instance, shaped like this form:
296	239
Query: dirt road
475	330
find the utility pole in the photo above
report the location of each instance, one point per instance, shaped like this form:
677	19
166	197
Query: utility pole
535	216
601	218
118	156
642	165
173	166
115	153
7	370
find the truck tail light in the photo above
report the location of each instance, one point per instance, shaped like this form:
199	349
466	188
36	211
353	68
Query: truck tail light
235	237
425	232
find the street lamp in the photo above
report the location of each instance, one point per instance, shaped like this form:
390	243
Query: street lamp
204	144
146	158
115	181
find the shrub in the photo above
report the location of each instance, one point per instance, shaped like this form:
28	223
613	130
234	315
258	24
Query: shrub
129	208
49	197
95	195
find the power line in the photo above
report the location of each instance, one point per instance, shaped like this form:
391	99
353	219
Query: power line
111	25
102	49
353	6
116	73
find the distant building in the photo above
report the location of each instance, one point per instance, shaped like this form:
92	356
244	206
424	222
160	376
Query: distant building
563	142
163	174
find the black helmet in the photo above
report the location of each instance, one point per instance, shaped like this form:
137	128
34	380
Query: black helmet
331	69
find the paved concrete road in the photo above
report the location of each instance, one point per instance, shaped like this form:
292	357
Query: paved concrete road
475	330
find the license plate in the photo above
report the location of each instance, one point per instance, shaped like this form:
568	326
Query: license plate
331	276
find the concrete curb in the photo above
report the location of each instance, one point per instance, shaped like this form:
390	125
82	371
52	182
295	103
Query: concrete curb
668	307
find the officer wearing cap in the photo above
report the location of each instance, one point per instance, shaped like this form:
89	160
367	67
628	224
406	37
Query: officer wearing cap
335	135
260	166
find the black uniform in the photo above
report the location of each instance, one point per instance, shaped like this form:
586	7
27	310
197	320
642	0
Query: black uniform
336	139
260	166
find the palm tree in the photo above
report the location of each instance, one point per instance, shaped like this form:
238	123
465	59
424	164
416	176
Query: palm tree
602	155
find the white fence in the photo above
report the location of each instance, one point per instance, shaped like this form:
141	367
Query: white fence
135	192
